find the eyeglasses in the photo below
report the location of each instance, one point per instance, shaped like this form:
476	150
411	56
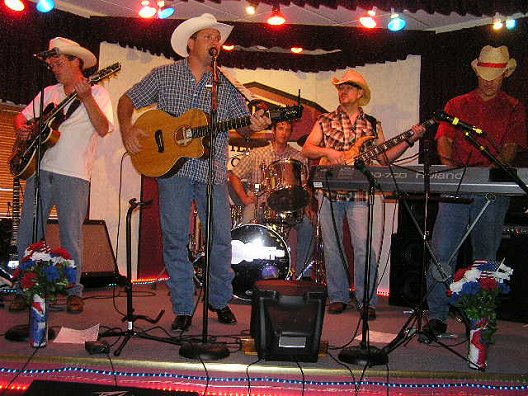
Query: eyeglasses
58	63
350	84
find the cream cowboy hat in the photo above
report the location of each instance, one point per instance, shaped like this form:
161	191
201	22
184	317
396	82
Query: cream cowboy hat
352	76
492	62
70	47
186	29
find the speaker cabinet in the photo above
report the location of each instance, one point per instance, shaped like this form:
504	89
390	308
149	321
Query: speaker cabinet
99	264
405	271
287	319
514	306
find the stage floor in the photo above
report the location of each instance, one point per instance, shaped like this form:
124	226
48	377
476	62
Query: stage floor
412	368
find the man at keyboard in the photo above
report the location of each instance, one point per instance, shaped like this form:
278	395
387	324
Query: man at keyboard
503	119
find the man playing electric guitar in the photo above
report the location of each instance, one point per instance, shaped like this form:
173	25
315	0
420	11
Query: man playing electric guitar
335	136
66	167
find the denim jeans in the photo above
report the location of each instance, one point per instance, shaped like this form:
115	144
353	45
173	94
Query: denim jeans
336	275
70	196
452	222
175	197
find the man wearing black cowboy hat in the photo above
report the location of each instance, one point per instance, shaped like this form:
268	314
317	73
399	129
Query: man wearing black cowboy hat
177	88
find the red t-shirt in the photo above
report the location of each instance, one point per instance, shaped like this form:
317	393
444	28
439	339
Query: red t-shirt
503	118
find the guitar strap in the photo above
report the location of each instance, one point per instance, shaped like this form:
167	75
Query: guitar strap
59	120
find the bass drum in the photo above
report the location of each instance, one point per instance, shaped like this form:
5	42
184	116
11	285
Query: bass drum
258	253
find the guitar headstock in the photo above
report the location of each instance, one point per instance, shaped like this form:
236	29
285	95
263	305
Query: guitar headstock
285	113
104	73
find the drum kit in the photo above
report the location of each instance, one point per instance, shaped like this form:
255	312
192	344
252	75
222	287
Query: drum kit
259	247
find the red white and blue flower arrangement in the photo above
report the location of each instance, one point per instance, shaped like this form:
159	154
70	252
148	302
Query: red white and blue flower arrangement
475	290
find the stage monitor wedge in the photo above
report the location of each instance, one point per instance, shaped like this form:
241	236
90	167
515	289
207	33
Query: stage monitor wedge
287	319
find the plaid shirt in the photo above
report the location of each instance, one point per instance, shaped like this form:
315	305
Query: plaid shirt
174	89
340	134
249	166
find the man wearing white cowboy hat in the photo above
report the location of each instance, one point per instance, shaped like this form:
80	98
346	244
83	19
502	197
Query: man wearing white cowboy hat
333	135
503	119
177	88
66	167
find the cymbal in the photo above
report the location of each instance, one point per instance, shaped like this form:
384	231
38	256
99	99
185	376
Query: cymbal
247	142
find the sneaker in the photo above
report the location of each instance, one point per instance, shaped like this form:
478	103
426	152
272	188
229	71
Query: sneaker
74	304
18	304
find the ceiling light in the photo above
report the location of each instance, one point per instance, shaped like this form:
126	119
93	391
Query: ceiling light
296	50
228	47
251	7
165	12
396	23
146	10
368	22
276	18
510	23
15	5
45	5
497	22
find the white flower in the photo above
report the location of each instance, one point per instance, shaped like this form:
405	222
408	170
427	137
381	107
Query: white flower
40	256
456	287
472	274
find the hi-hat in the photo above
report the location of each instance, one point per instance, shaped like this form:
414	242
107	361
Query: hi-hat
247	142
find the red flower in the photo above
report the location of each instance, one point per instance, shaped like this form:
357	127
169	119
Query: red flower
459	274
28	280
62	252
488	283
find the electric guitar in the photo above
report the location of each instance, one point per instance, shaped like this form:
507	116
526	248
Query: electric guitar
354	153
22	162
7	269
169	141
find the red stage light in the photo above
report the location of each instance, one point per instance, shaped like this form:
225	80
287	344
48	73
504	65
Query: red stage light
15	5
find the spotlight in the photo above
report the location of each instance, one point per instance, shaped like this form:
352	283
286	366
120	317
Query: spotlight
165	12
228	47
147	11
276	18
368	22
15	5
497	22
511	23
296	50
45	5
251	7
396	23
372	11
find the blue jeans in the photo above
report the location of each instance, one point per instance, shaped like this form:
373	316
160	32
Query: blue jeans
175	197
336	275
452	222
70	196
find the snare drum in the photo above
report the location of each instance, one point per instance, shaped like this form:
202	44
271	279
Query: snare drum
258	253
287	192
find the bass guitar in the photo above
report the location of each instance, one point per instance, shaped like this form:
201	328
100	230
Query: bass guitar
169	141
22	162
354	153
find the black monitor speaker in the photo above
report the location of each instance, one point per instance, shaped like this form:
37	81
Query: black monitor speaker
287	319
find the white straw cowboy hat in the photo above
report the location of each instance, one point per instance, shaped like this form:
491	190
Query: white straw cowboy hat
353	77
186	29
492	62
70	47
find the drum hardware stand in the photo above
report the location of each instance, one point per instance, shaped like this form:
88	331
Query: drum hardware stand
206	350
130	316
316	263
366	354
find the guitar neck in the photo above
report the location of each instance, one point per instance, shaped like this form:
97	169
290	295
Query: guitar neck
373	152
236	123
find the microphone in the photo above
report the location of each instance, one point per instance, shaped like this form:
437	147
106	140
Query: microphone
443	116
213	52
47	54
360	166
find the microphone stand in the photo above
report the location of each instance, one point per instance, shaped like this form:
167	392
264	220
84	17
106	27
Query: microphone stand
205	350
21	332
366	354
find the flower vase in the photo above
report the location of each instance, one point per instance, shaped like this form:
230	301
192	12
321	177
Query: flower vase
478	350
38	322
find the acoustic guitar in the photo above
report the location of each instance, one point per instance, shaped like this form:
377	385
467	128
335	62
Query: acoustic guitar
169	141
354	153
22	162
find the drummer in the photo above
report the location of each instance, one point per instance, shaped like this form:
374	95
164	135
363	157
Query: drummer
253	168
